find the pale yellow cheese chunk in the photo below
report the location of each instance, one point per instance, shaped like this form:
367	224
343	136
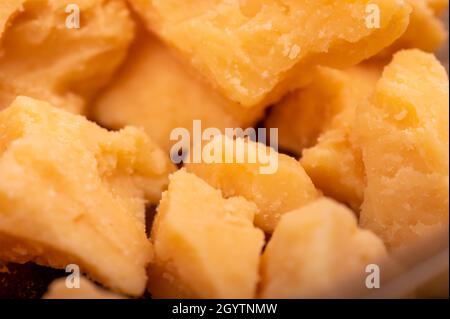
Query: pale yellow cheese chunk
254	51
315	251
74	193
317	122
404	136
425	31
205	246
154	91
276	183
41	57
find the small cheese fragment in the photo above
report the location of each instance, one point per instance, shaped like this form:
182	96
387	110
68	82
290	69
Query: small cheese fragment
315	251
58	289
205	246
41	57
335	166
255	51
404	137
154	91
74	193
317	121
282	187
425	31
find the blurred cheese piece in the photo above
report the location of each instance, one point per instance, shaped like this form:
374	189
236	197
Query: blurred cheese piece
317	122
404	137
315	251
254	51
205	246
41	57
155	91
74	193
284	187
8	9
425	31
86	290
438	6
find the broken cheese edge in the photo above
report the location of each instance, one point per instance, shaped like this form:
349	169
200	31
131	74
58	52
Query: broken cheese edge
315	251
317	121
276	186
205	33
74	193
75	64
175	100
205	246
403	134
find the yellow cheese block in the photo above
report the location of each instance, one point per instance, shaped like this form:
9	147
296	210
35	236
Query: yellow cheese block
42	58
315	251
285	188
317	122
154	91
404	136
74	193
425	31
205	246
254	51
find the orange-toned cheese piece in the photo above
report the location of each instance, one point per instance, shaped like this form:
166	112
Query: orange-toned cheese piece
285	185
154	91
42	58
438	6
404	136
205	246
254	51
315	251
317	122
8	9
74	193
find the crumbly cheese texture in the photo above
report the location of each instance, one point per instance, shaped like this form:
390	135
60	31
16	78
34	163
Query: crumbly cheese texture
205	246
86	290
238	173
157	92
404	137
425	31
315	251
254	51
42	58
327	103
74	193
317	122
